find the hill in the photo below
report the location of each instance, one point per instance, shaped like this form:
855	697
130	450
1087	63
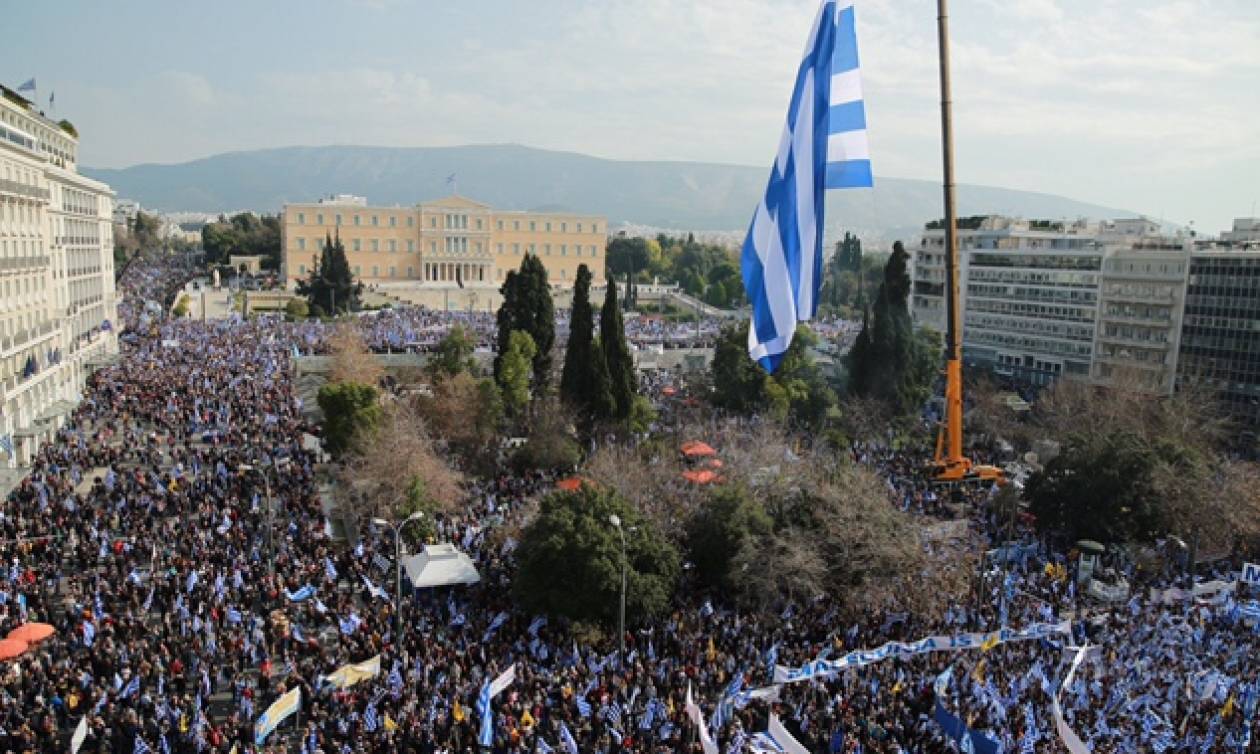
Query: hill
670	195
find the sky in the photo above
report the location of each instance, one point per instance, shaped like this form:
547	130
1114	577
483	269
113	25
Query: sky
1147	105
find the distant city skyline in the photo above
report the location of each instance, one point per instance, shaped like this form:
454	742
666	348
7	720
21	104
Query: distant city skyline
1106	101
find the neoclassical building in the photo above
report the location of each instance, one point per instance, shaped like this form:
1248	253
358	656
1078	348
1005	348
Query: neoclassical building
57	300
443	243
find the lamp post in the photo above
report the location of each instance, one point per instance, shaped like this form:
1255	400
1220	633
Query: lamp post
397	528
615	520
271	511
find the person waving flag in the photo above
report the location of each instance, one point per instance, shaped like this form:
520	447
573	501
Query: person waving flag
823	146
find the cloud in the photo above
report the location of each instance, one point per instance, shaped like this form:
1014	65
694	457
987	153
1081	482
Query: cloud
188	89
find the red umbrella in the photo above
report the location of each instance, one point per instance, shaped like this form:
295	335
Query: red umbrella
11	648
32	633
697	449
572	484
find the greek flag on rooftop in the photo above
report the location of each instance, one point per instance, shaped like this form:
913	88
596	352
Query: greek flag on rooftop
823	146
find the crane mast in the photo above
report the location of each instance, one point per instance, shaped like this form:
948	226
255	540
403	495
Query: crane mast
949	464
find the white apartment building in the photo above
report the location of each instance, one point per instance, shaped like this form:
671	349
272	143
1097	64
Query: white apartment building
1246	231
1028	291
57	298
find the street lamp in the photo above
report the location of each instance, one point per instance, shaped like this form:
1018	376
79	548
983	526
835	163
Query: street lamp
615	520
397	528
271	508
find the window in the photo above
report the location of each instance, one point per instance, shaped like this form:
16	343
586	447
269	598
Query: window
375	221
594	227
356	270
564	274
376	245
301	244
319	219
478	223
532	225
411	272
411	246
564	227
499	225
411	222
301	219
500	249
547	249
393	222
477	247
356	245
433	221
516	225
548	227
393	245
338	218
376	271
593	251
516	248
393	272
357	219
564	250
531	249
433	247
301	269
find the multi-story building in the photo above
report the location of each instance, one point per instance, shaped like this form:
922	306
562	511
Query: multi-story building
1140	310
449	242
1246	231
1220	340
57	300
1029	293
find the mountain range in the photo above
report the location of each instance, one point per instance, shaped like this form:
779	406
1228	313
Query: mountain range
664	195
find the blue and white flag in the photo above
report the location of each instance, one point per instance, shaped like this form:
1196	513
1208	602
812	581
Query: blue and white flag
823	146
132	688
495	623
584	707
302	594
566	740
330	570
488	692
27	86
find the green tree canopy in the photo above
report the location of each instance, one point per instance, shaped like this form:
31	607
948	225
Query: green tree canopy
584	381
454	354
612	339
571	560
246	234
527	306
351	411
797	390
332	286
727	523
889	361
514	372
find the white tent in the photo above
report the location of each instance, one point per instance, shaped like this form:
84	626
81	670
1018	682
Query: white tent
440	565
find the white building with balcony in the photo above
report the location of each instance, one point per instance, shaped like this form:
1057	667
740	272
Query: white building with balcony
57	297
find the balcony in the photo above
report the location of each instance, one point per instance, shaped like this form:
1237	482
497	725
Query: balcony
21	189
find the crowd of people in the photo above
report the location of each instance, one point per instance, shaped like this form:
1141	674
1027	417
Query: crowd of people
174	539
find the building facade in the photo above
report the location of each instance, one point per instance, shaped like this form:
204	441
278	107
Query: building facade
57	297
1220	340
1246	232
450	242
1029	292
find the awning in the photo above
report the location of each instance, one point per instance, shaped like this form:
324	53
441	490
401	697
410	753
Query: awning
440	565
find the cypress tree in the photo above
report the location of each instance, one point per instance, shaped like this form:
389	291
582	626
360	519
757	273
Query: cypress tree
527	306
584	379
612	336
883	362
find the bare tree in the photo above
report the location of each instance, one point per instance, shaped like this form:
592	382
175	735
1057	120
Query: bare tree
352	361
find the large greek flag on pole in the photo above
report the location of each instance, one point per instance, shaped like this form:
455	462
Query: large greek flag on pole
823	146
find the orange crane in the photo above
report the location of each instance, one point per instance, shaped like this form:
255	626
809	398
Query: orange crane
950	466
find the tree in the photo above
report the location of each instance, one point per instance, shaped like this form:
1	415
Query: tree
890	361
584	381
729	521
297	308
626	256
352	361
570	560
464	412
331	285
1103	487
454	354
514	372
739	385
527	306
395	469
351	411
550	446
612	338
797	390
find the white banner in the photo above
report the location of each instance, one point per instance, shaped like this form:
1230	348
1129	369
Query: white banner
80	735
1251	574
931	644
1213	592
1072	741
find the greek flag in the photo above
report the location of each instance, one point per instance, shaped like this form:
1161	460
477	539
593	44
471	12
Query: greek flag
375	590
566	740
489	692
613	714
132	687
395	681
823	146
330	570
141	746
381	562
584	707
498	620
89	633
543	746
370	720
302	594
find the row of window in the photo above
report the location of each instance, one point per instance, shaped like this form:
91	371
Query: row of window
451	222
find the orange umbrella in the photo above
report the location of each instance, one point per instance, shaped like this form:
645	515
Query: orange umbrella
572	484
714	463
32	633
697	449
668	390
10	648
703	476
